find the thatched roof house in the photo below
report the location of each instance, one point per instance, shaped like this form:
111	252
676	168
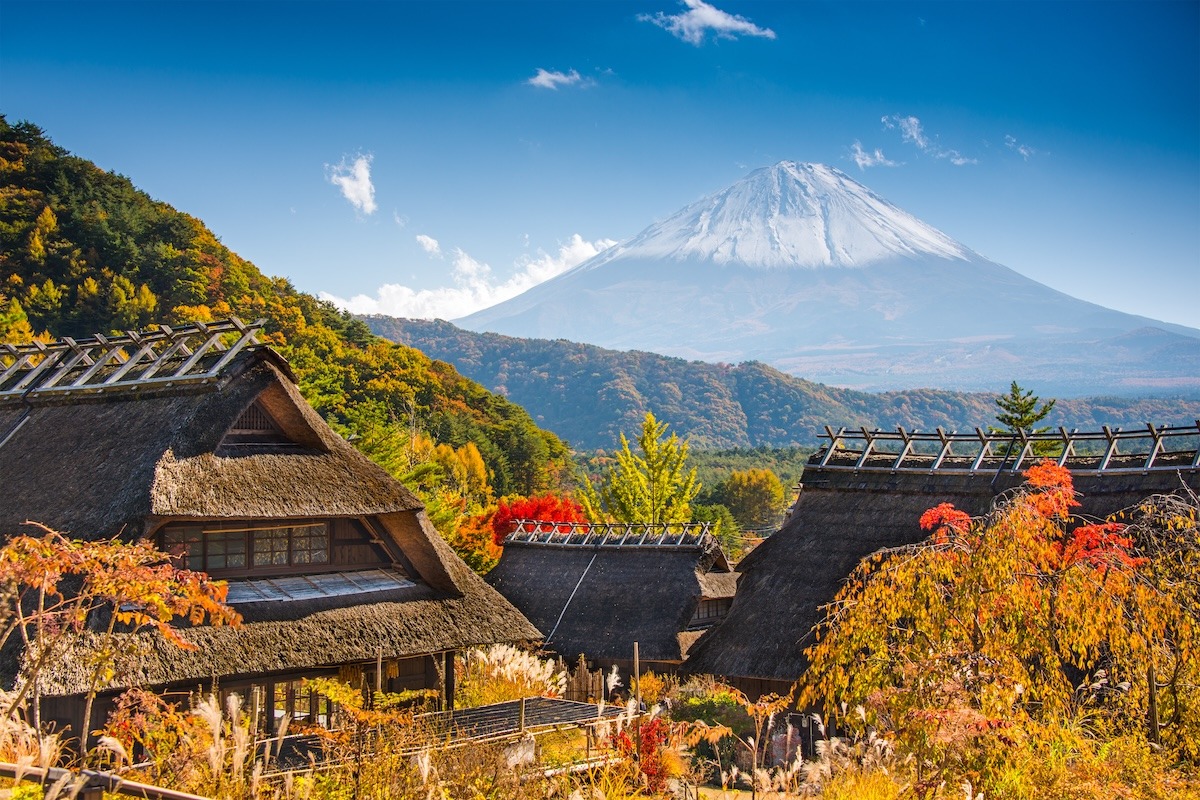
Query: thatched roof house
596	589
205	447
866	491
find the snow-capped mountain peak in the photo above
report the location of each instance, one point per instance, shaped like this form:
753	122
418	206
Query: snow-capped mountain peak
790	215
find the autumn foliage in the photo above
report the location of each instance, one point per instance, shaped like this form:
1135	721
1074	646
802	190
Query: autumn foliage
545	507
998	633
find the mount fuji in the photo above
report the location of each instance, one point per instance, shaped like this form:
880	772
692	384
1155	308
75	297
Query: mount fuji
801	267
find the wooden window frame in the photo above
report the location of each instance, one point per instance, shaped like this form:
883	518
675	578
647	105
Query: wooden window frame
205	533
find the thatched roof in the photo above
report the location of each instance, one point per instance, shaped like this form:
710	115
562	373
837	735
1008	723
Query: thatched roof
850	507
122	460
93	467
309	634
598	599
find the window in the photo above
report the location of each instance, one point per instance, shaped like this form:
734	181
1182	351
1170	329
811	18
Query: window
710	610
224	548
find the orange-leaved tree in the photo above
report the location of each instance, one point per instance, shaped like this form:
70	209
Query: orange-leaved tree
59	592
996	627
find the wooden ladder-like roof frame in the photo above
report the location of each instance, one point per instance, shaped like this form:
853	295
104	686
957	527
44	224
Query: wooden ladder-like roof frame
160	356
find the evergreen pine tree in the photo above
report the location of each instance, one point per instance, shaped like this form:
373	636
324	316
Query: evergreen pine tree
1019	411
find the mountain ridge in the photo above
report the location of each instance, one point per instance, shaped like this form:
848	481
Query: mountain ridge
589	395
801	267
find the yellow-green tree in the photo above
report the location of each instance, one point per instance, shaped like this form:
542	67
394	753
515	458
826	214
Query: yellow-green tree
755	497
654	486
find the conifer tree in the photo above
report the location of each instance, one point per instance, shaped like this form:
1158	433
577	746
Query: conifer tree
1019	411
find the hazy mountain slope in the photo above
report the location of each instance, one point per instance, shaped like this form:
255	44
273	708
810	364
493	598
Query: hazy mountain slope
802	267
589	395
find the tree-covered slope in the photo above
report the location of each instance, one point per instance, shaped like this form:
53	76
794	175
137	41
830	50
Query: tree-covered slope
84	251
589	394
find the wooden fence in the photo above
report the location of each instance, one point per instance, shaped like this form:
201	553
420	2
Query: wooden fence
583	685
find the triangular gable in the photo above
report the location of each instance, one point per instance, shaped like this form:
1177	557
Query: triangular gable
270	420
255	426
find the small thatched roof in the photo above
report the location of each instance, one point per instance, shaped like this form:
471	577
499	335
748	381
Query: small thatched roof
597	595
850	507
97	460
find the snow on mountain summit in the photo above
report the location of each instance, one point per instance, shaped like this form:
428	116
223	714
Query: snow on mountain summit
789	215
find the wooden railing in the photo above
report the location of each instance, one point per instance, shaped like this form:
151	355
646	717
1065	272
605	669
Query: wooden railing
608	534
156	356
1106	450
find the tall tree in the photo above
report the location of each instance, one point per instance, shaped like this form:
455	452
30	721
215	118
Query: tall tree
654	487
1020	412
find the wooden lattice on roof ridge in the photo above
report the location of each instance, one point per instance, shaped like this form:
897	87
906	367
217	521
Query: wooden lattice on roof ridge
158	356
608	534
1108	450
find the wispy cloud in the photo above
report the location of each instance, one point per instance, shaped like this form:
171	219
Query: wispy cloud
474	287
429	245
700	19
912	132
1024	150
866	159
550	79
354	179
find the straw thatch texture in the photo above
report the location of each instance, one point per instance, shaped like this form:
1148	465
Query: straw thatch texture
610	597
125	462
841	517
98	467
413	622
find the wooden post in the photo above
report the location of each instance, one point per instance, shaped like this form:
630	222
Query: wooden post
379	671
449	688
1152	679
637	678
637	693
521	717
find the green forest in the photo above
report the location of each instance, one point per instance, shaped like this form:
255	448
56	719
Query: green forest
590	395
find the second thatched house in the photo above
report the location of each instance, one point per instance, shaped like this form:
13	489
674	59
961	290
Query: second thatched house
197	439
595	590
866	490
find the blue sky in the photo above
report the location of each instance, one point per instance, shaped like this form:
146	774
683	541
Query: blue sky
454	152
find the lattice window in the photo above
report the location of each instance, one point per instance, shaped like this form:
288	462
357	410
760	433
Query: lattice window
255	426
271	547
247	549
254	420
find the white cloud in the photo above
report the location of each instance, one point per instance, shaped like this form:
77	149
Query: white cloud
1024	150
429	245
354	179
865	159
474	286
692	25
910	130
913	132
547	79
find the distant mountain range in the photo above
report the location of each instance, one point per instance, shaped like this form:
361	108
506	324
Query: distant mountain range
589	395
801	267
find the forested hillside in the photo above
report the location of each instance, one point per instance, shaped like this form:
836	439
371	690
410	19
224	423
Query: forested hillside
588	395
83	251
